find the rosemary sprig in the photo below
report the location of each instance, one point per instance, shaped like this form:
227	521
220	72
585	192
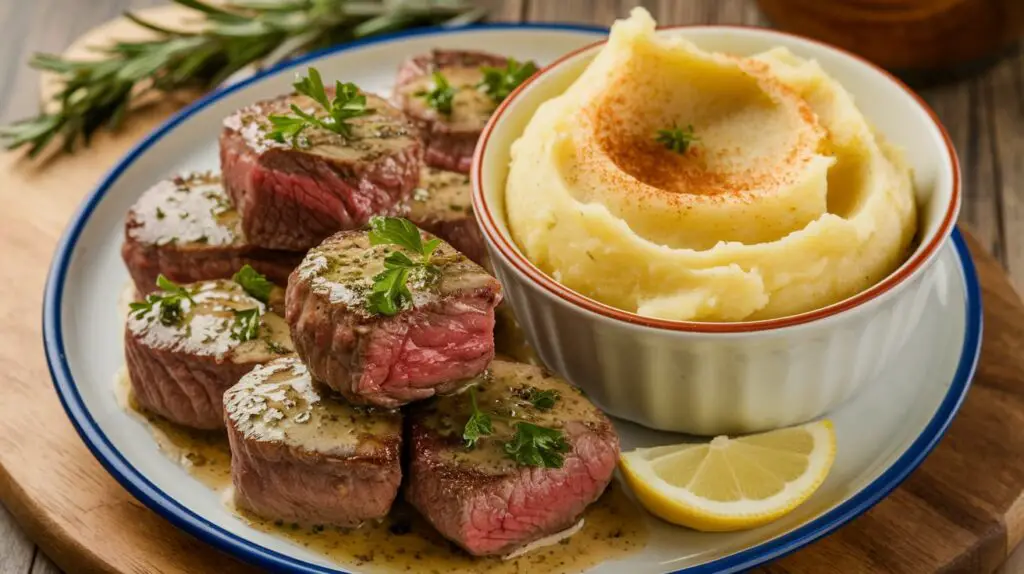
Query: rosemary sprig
100	93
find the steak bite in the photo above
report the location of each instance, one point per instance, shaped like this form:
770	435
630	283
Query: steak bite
293	196
487	500
441	334
185	345
450	137
186	229
298	455
442	205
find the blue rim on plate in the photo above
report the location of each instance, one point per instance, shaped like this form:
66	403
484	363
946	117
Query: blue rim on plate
161	503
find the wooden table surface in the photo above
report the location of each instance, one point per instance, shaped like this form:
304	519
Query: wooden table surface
984	116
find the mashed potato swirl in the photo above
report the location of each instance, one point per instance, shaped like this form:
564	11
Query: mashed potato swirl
788	202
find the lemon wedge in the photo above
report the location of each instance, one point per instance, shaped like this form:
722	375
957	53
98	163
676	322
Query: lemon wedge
732	483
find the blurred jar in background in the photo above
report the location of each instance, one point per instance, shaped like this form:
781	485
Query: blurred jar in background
924	41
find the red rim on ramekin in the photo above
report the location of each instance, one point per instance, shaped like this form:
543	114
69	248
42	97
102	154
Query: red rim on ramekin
525	266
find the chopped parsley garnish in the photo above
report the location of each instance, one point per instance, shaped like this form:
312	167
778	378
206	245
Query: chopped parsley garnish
534	445
441	96
498	83
677	139
276	347
246	325
160	213
401	232
543	400
531	445
390	291
348	103
167	302
478	425
254	283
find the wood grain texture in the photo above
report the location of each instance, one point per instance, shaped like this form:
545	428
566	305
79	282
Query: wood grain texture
960	512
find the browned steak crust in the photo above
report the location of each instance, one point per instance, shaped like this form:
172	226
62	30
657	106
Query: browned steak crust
293	196
181	370
186	229
450	139
442	204
483	500
300	455
431	346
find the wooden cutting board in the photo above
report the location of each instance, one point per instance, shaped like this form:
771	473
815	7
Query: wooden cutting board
961	511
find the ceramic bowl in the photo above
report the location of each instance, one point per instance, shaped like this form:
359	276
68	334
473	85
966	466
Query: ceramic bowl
715	378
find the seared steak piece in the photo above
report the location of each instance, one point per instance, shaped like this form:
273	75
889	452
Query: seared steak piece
298	455
442	205
181	362
292	197
482	499
186	229
445	336
450	139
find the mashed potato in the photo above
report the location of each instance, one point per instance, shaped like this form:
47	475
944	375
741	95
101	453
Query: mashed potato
787	202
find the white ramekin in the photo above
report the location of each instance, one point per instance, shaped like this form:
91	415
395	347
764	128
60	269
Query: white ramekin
714	378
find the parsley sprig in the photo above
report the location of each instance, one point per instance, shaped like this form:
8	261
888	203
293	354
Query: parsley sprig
498	83
479	423
167	302
534	445
246	325
531	445
348	103
254	283
441	96
677	139
390	292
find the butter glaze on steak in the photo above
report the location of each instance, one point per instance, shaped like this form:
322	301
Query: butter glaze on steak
444	338
299	455
181	371
293	197
186	229
442	205
481	499
450	140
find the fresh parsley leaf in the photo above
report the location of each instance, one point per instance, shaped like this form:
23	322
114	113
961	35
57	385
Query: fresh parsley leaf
348	103
390	292
395	231
390	287
478	425
534	445
498	83
313	86
246	325
285	128
167	303
677	139
254	283
399	260
441	96
542	399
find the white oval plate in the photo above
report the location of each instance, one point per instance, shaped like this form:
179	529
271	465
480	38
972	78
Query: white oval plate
883	433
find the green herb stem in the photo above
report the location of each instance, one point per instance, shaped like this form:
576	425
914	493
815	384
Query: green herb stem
100	93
